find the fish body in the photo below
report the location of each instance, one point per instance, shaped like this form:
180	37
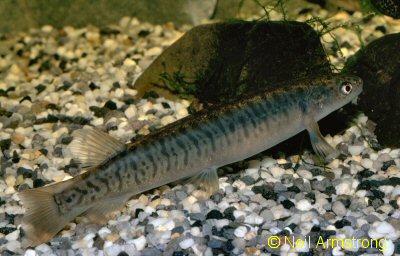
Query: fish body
194	146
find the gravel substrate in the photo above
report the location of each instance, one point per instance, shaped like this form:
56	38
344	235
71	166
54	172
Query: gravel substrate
56	81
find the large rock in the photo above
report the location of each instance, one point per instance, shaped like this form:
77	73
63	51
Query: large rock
378	64
388	7
221	61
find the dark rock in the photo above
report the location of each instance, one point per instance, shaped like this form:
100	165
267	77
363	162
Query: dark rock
378	64
40	88
38	183
5	144
123	254
64	139
341	223
214	214
239	51
228	213
388	7
215	243
197	216
364	174
266	191
26	173
178	230
58	152
7	230
248	180
110	105
287	204
387	164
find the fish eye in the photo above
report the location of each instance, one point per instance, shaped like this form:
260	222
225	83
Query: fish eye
346	88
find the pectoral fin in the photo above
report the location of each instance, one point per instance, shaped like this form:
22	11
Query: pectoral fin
207	180
318	142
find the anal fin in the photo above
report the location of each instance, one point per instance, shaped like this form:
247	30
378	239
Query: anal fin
92	147
207	180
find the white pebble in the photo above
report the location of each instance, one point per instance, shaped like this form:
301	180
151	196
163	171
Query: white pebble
277	171
344	188
167	120
13	235
240	231
130	112
30	252
305	174
187	243
339	209
355	150
140	243
387	246
304	205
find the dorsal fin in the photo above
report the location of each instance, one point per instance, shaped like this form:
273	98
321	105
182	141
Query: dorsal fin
91	147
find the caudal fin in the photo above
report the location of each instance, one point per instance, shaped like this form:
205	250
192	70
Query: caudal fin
43	219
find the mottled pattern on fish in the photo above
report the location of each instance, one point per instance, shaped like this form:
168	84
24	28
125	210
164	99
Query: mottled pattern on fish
203	141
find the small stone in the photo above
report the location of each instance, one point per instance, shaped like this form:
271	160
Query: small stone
240	231
17	138
214	214
304	205
187	243
140	243
355	150
339	209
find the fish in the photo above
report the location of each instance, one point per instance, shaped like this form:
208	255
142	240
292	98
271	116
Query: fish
191	148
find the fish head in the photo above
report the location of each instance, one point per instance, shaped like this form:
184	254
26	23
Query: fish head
335	92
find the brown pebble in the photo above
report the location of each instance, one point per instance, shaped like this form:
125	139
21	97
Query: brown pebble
17	138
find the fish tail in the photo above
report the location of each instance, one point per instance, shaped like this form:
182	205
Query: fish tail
43	218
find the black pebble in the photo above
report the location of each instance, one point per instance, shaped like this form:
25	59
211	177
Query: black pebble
197	223
165	105
65	139
123	254
43	151
178	253
248	180
228	213
7	230
387	164
28	98
58	152
381	28
40	88
341	223
178	230
316	171
286	166
38	183
66	85
143	33
330	190
93	86
377	193
266	191
5	144
364	174
110	105
294	189
137	211
26	173
215	244
393	203
287	204
214	214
